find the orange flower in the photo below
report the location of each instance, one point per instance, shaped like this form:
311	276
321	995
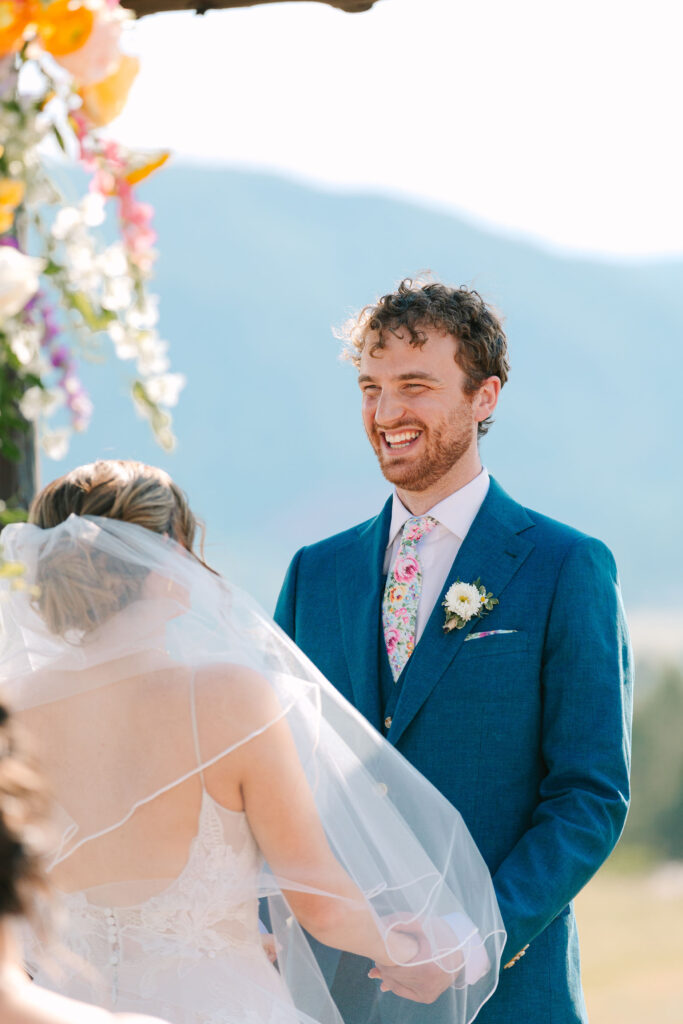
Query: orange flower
151	162
104	100
64	26
15	15
11	194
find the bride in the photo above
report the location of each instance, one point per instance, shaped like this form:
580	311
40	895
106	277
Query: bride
200	762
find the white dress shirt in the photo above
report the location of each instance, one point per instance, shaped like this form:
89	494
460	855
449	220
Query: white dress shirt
437	549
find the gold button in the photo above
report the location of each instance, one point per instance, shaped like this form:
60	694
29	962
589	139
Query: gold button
387	722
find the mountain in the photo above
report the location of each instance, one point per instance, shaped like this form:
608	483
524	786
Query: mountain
253	272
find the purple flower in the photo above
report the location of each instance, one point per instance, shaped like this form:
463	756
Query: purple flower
60	357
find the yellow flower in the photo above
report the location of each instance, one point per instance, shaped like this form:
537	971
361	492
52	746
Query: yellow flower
104	100
12	570
11	194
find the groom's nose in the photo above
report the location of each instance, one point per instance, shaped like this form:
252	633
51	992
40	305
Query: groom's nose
390	408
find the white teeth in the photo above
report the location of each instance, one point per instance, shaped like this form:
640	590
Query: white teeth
401	440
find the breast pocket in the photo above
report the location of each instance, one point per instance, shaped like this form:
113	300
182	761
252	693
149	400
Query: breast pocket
481	643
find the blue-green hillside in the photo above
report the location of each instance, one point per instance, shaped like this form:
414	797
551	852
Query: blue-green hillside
254	271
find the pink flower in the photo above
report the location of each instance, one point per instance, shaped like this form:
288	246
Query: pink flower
402	615
406	569
391	639
100	53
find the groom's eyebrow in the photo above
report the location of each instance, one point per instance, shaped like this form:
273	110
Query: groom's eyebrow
364	378
417	375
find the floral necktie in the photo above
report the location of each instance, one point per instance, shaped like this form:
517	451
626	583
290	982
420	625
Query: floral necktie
402	594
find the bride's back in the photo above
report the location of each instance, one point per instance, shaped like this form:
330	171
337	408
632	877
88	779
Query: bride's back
122	757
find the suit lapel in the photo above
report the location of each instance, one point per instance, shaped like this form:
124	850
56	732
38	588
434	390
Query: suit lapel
359	582
492	551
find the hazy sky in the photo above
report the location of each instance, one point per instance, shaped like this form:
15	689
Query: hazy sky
559	120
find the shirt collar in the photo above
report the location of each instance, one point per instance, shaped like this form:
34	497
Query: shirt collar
457	512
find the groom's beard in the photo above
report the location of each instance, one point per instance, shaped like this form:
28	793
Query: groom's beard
441	448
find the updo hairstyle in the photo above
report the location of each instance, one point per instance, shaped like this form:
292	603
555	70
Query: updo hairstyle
72	577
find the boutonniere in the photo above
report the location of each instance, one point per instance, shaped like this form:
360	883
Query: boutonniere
465	601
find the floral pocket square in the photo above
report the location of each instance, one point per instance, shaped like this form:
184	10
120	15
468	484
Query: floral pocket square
489	632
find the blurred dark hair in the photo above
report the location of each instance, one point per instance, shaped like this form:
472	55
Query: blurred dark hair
24	808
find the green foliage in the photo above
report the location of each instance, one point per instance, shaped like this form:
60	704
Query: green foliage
14	381
655	824
12	514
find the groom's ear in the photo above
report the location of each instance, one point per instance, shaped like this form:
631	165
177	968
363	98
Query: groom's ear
485	398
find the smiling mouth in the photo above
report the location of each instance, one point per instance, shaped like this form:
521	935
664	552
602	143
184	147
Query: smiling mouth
399	440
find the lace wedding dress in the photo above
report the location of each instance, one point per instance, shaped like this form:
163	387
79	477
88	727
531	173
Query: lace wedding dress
191	954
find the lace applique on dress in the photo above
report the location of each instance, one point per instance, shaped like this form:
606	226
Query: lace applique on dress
160	956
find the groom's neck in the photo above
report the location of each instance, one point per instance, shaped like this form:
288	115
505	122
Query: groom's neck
462	473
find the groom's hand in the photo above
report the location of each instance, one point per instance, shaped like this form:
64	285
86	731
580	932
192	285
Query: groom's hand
423	983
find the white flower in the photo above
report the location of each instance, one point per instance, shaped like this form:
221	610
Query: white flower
117	293
36	402
19	280
92	207
67	221
56	443
464	600
165	390
113	262
146	316
152	354
25	343
125	342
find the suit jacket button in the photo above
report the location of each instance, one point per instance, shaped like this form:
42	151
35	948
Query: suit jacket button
387	722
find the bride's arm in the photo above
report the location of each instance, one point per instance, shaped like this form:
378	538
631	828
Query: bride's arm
282	814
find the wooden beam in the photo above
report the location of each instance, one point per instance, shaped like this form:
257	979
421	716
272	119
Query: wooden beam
143	7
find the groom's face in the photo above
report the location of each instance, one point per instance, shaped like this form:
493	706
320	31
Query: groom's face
417	415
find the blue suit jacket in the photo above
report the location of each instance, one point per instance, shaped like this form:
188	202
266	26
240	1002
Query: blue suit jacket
527	733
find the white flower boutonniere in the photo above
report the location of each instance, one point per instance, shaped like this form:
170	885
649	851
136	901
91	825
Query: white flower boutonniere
465	601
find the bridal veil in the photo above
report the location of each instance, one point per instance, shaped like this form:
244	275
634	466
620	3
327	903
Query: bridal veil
113	641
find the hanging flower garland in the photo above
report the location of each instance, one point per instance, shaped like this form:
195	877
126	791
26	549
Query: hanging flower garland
64	293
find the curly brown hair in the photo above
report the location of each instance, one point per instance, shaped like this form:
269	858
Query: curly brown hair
415	305
24	808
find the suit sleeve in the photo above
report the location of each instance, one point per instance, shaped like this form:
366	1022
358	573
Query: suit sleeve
583	798
285	609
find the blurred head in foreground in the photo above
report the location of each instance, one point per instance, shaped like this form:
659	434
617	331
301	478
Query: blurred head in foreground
23	812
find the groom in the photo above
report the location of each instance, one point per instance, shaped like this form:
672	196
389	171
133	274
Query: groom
518	713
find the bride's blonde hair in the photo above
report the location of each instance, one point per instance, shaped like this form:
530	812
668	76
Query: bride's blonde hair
117	489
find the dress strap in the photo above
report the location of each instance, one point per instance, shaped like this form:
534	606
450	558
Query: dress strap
195	730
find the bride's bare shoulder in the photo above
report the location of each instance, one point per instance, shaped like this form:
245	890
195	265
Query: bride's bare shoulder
237	693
